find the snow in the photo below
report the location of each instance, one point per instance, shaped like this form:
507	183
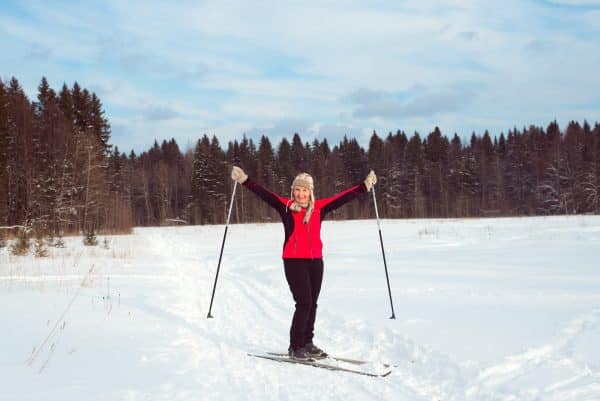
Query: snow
486	309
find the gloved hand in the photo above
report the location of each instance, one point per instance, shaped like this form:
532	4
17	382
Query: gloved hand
370	180
237	174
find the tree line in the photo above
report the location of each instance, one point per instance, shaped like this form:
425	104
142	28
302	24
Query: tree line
59	173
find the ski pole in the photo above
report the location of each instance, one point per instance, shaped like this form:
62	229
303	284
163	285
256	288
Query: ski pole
209	316
383	253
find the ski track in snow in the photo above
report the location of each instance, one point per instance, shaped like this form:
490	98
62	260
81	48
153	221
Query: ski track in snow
150	300
556	365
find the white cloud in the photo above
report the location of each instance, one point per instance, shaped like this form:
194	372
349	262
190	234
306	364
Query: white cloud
420	102
230	67
336	132
576	2
159	113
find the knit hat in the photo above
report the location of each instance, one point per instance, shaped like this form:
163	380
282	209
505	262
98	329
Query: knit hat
303	180
306	181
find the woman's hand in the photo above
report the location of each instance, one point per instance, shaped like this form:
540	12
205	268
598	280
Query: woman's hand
370	180
237	174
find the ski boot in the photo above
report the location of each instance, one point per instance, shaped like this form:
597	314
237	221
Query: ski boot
315	352
300	354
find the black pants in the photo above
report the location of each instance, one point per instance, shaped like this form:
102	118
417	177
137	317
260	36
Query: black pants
304	276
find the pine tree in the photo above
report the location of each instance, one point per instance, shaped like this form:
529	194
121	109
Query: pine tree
119	216
554	193
470	186
319	156
199	194
453	177
177	178
216	178
65	170
98	123
18	145
4	157
266	171
94	201
355	165
393	162
90	178
519	174
412	184
298	155
591	181
137	184
336	170
355	161
572	165
435	167
44	142
285	170
266	162
375	155
486	165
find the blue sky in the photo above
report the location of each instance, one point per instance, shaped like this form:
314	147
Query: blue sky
320	68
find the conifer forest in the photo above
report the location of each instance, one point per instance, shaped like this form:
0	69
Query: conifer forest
59	173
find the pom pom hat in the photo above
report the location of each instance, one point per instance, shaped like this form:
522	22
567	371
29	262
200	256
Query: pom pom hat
306	181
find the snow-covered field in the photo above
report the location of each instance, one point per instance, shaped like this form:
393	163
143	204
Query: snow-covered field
487	309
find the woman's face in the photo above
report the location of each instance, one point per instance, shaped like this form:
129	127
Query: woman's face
301	194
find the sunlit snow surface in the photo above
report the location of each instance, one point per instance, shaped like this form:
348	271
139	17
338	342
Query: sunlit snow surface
486	309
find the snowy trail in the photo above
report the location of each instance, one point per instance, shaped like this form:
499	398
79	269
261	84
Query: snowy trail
490	309
245	301
562	368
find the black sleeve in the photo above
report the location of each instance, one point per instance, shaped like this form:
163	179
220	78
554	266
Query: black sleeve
271	198
336	201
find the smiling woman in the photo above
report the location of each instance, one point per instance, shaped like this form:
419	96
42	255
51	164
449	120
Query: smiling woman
303	249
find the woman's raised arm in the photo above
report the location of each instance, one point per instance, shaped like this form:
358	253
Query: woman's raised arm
272	199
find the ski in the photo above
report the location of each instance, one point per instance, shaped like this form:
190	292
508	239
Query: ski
336	358
317	364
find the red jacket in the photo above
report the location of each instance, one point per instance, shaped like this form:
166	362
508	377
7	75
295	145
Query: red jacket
303	241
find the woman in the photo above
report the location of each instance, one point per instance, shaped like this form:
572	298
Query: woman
302	248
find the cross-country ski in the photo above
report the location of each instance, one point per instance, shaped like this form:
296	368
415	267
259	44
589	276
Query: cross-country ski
319	363
339	358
